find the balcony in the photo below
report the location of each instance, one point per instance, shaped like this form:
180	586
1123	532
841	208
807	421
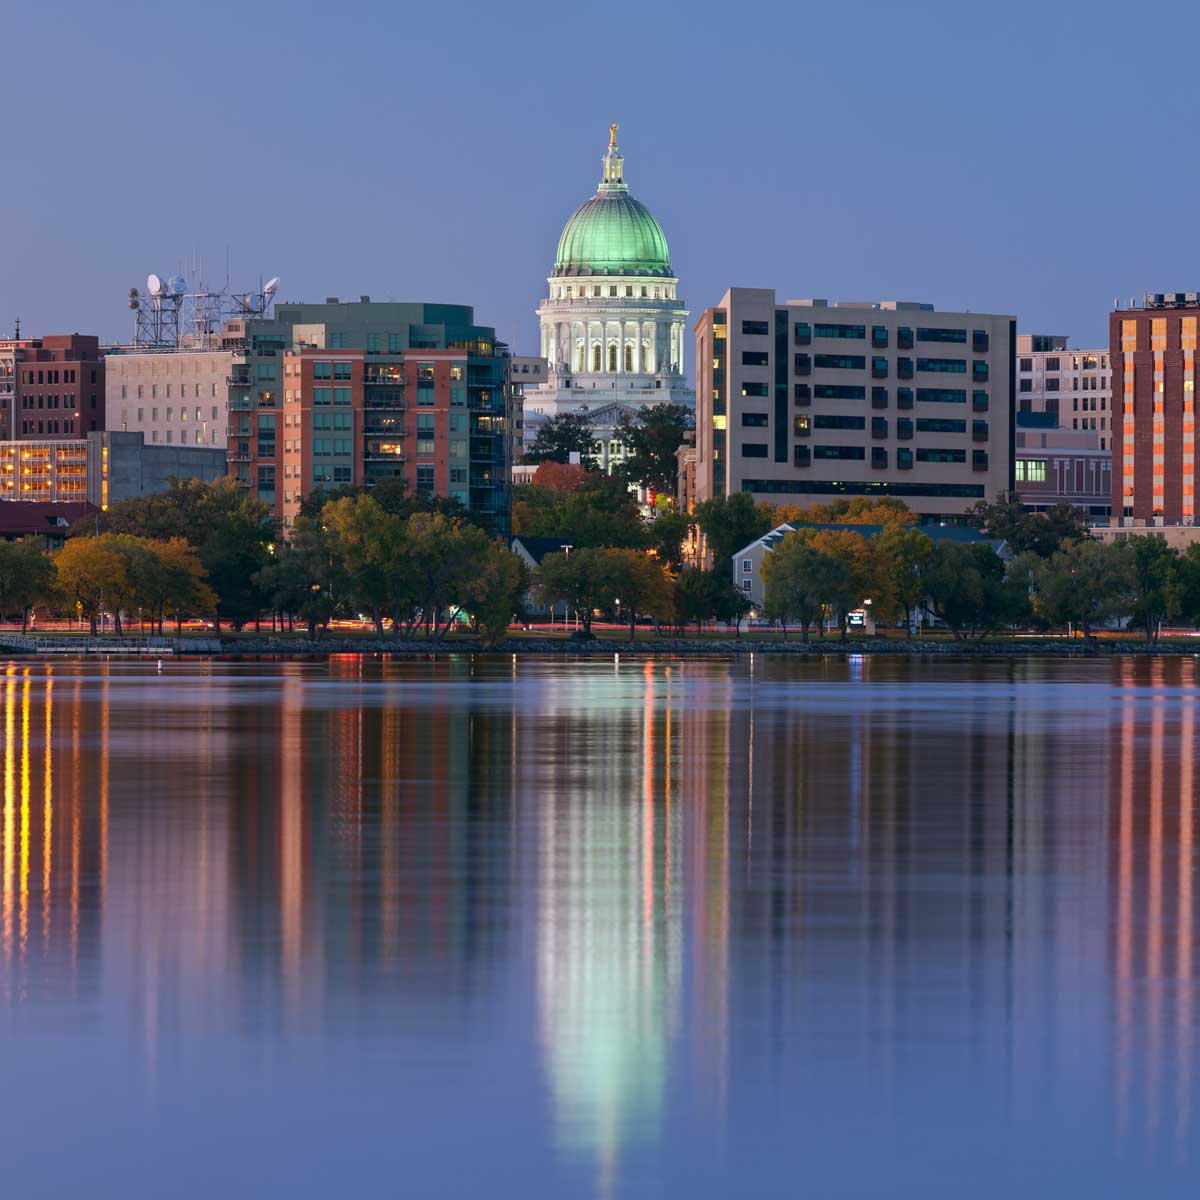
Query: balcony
383	429
381	380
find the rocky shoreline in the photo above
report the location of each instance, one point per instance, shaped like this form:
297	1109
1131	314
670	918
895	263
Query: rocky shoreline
604	647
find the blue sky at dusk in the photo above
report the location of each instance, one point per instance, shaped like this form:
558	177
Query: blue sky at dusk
1034	158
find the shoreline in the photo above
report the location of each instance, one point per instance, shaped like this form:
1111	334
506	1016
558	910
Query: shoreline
259	647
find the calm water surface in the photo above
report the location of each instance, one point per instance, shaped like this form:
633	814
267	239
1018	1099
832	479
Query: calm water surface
636	929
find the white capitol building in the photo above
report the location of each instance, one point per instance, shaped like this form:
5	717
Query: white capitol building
613	328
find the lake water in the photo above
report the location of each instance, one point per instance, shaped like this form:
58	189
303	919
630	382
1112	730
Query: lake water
490	927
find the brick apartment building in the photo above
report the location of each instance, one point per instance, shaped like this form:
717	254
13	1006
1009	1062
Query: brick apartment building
51	386
1153	355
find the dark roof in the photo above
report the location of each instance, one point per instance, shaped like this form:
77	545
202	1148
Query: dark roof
20	518
538	547
936	533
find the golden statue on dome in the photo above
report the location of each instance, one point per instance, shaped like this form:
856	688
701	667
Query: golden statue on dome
612	136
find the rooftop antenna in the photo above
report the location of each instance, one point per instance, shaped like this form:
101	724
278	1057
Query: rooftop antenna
17	330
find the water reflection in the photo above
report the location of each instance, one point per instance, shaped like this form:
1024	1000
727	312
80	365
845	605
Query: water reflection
648	926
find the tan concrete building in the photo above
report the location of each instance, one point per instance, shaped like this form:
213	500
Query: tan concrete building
805	401
1074	385
174	397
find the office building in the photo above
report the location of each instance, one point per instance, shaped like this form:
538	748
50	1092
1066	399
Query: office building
51	386
804	401
1074	385
328	394
1153	355
613	329
100	469
525	374
173	397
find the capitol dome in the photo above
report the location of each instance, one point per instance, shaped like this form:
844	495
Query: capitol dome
612	233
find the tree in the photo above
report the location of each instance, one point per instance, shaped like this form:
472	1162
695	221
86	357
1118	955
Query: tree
497	592
1156	583
849	510
637	582
230	529
89	570
860	578
602	512
731	522
560	477
363	536
667	533
306	577
560	437
966	586
903	551
652	437
1006	519
797	580
185	591
26	577
576	578
1085	583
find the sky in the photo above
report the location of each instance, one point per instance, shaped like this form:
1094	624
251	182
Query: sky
1037	159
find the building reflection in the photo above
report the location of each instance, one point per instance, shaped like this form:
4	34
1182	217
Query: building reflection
1154	861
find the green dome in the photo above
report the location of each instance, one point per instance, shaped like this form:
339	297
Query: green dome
612	233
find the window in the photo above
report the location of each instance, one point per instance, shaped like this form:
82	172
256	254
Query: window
941	335
940	455
755	389
879	336
979	401
943	366
979	370
904	428
343	370
341	395
803	333
839	391
904	397
801	364
802	393
879	367
1027	364
942	395
979	431
374	343
801	457
879	397
879	427
755	358
856	332
322	370
320	395
1052	385
840	362
1025	385
754	449
829	421
940	425
265	372
747	566
879	457
904	459
754	420
801	426
756	328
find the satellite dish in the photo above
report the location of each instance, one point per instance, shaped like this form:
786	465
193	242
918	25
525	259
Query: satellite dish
177	285
272	286
154	285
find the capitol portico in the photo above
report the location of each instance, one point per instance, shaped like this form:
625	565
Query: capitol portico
612	329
